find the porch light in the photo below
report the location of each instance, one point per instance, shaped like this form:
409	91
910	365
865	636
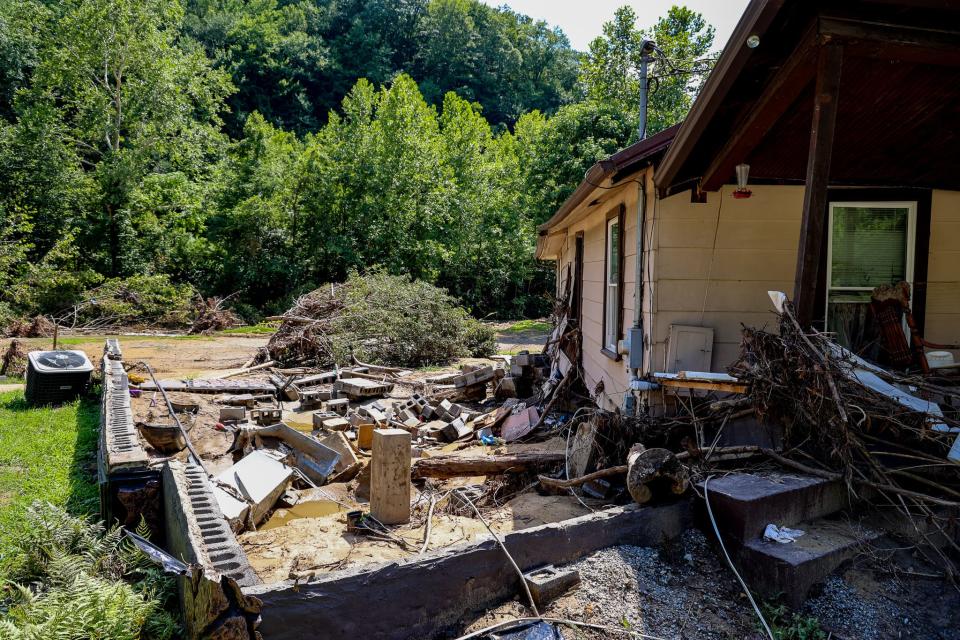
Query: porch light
753	41
743	173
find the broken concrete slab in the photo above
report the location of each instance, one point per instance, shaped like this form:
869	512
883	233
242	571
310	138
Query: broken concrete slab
260	478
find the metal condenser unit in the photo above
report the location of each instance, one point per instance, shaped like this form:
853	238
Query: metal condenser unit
56	376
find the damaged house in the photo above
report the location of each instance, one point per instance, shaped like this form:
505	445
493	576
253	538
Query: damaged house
818	159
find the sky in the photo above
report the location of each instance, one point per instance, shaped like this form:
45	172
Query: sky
582	20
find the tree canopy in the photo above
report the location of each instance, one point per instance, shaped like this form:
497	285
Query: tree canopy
262	147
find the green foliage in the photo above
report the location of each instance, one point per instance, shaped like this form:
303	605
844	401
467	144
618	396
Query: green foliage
75	570
610	70
256	149
47	454
479	339
789	625
398	321
151	300
528	325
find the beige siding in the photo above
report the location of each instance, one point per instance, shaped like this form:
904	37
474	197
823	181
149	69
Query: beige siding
715	262
943	277
711	264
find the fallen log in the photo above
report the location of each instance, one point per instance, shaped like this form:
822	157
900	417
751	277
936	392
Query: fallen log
651	470
453	466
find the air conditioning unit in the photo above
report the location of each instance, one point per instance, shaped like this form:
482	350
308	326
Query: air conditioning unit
56	376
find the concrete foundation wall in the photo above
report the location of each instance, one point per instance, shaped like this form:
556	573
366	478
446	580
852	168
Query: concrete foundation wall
425	598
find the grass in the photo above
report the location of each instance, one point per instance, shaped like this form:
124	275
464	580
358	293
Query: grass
251	329
48	454
529	325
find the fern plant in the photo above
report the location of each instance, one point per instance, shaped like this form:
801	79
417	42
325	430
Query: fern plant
73	579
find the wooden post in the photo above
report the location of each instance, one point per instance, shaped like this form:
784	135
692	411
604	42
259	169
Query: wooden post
813	224
390	476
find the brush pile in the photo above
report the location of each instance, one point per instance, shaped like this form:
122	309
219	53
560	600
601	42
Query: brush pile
886	435
38	327
212	315
379	318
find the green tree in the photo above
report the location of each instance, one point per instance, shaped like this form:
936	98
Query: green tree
127	103
610	70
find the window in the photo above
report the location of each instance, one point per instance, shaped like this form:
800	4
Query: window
613	285
869	244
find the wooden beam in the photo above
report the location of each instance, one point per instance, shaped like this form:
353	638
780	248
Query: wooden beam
812	226
889	41
779	94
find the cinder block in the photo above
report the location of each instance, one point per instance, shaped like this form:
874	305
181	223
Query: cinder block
548	582
266	416
233	414
337	405
335	424
456	430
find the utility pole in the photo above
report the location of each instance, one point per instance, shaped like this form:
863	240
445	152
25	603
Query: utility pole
646	57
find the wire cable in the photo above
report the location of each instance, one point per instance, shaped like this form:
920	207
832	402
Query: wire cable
746	590
572	623
463	495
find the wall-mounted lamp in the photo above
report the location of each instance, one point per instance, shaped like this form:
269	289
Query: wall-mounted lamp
743	174
753	41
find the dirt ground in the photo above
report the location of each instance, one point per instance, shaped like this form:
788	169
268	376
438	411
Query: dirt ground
170	356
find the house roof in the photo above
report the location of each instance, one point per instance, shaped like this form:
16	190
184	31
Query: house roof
898	104
618	165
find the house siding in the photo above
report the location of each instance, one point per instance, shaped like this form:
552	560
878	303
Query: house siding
716	260
711	264
942	322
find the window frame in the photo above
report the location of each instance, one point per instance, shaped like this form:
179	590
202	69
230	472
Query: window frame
909	257
615	216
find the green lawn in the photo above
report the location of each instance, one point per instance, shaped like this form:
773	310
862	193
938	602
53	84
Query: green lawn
529	325
46	453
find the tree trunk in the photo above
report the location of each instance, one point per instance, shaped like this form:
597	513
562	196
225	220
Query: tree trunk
455	466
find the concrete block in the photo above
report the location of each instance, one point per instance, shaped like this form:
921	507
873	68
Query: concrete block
547	583
522	359
432	429
337	405
390	476
335	424
266	416
456	430
373	414
232	414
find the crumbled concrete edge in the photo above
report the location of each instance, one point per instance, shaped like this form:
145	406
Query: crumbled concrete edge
197	532
428	596
211	600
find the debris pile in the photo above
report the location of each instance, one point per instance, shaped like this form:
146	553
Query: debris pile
390	320
211	315
38	327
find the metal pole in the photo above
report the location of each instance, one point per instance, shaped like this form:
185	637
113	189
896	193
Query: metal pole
644	85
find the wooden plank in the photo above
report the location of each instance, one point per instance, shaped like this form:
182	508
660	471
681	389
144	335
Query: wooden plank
390	476
779	94
727	387
812	226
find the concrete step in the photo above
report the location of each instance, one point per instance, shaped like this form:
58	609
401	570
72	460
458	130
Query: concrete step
774	569
745	503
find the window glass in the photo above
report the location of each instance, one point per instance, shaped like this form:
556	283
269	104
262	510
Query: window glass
869	246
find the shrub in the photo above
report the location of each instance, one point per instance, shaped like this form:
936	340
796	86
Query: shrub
380	318
144	299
